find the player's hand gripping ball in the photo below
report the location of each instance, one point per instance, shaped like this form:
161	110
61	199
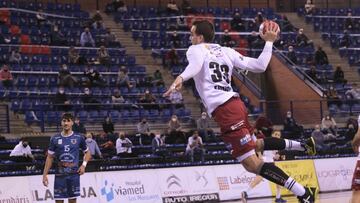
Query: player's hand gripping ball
269	25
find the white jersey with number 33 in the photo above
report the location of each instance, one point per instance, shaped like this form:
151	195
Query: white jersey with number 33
211	67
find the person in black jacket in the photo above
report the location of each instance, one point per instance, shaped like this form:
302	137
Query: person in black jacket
108	126
78	127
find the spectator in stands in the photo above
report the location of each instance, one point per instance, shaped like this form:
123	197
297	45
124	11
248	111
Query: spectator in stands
158	79
226	39
116	5
292	55
345	40
175	40
108	126
116	98
172	8
110	39
286	25
333	97
319	138
15	57
73	55
61	101
97	16
40	17
143	131
158	146
57	38
94	77
321	57
103	56
237	23
123	146
22	152
254	41
106	144
290	125
259	19
328	125
123	79
186	7
66	79
86	39
313	74
195	145
203	126
181	24
354	92
350	132
171	58
78	126
98	25
175	133
147	99
93	147
302	40
309	7
90	103
349	24
6	76
339	76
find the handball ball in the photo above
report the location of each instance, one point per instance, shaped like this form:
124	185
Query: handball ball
268	24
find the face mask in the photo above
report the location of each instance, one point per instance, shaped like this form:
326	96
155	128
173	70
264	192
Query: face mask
157	136
173	119
87	92
65	67
61	91
203	117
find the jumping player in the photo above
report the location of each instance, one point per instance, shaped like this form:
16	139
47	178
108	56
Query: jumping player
211	66
355	186
64	147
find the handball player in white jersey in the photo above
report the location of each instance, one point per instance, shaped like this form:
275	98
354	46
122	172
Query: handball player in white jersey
355	186
211	66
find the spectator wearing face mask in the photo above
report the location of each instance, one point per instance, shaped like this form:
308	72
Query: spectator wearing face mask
158	146
237	23
94	78
93	147
291	127
89	100
195	146
321	57
147	99
108	126
319	138
175	134
22	152
328	125
86	39
292	55
123	146
66	79
78	127
6	76
175	40
302	40
143	131
203	126
61	101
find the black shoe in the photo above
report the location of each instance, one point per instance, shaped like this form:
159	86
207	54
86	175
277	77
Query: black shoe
310	147
244	197
309	196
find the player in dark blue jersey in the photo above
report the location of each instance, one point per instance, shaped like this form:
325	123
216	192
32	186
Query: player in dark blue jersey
64	148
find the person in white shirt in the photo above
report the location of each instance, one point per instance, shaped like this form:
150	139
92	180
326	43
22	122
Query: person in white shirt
355	186
123	146
195	145
211	66
22	152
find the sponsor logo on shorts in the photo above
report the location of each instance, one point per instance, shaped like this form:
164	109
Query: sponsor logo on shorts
245	140
237	125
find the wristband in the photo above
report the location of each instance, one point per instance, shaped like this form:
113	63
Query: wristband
84	163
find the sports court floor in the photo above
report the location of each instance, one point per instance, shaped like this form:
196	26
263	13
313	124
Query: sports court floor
336	197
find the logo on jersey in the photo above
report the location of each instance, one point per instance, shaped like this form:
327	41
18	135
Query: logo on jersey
59	141
73	141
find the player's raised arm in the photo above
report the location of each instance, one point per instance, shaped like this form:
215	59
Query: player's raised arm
259	65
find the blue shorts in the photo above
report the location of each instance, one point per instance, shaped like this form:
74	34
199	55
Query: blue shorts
66	186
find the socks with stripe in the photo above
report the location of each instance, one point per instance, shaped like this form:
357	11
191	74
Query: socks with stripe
294	187
278	176
273	143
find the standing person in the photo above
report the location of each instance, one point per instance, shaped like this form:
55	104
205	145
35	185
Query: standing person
355	186
64	147
211	66
267	157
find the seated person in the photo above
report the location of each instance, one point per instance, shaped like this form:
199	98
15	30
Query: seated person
123	146
195	145
22	152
